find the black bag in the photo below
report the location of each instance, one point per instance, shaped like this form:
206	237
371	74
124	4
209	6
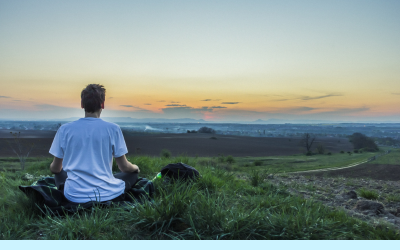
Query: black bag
180	171
143	189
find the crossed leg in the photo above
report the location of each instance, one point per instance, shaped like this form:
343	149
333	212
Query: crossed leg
129	178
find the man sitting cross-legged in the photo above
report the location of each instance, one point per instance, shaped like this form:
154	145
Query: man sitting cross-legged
83	151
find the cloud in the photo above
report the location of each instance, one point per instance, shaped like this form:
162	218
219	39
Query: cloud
208	100
41	111
176	105
297	109
306	98
288	114
395	93
147	104
230	102
16	100
161	101
186	112
110	97
343	111
174	102
218	107
135	107
2	96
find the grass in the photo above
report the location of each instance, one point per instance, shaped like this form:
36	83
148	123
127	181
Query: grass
368	194
287	164
256	178
230	159
393	158
258	163
393	198
165	153
217	206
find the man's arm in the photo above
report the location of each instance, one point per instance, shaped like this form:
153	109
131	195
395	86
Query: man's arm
56	165
125	166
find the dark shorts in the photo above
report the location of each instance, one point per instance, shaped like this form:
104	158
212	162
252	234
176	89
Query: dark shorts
130	180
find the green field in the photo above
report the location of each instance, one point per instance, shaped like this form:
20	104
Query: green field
217	206
392	159
287	164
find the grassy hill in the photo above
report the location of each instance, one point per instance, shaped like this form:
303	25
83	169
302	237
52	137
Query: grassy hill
217	206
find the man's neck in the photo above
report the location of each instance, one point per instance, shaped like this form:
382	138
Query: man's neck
93	115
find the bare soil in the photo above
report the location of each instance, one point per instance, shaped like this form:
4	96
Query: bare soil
189	144
333	192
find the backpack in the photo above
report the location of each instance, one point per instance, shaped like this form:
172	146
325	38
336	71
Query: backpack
180	171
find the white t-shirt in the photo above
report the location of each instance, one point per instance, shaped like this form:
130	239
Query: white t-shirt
87	147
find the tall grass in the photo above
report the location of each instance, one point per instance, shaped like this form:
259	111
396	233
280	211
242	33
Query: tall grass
217	206
368	194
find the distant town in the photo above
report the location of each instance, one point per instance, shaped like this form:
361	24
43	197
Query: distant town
384	133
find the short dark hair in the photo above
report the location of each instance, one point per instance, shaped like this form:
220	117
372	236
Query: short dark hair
92	97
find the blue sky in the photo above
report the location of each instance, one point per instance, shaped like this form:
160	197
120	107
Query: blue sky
269	57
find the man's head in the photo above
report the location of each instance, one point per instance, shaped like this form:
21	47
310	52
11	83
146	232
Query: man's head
93	97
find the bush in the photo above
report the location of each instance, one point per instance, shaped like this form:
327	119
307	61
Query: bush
165	153
393	198
206	130
230	159
368	194
342	152
221	158
225	166
329	153
258	162
309	153
355	151
245	165
320	149
256	178
349	152
213	137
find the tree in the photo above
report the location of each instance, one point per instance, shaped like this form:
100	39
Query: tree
307	141
361	141
206	130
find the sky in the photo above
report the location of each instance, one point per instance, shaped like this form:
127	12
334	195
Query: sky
220	61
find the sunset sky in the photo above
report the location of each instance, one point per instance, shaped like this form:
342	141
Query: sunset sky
212	60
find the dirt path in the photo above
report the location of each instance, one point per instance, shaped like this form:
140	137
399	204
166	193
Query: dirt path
355	164
382	172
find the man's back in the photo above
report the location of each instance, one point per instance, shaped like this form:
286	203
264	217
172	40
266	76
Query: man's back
87	147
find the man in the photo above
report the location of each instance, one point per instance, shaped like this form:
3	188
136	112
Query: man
83	151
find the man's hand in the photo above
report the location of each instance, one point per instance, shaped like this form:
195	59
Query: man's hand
56	165
125	166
